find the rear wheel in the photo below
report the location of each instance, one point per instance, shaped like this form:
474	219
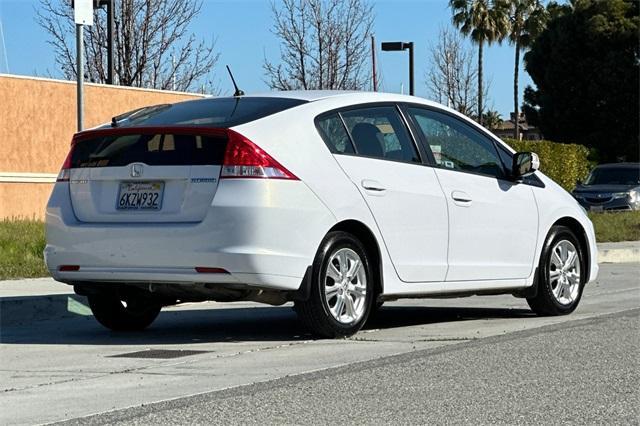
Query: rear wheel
341	288
124	313
561	274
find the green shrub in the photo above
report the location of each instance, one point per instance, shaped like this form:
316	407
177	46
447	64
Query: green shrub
564	163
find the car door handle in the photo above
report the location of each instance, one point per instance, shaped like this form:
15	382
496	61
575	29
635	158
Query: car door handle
372	185
461	198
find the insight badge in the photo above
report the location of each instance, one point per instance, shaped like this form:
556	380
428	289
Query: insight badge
203	180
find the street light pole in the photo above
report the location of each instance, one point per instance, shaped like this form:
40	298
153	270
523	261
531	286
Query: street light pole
411	87
110	25
399	46
82	15
80	74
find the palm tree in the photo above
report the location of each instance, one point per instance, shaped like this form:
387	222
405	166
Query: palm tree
527	19
486	21
492	119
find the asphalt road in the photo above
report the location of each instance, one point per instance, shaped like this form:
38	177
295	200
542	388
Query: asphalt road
581	372
474	360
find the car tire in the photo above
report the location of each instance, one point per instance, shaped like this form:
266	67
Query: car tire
559	289
342	291
127	313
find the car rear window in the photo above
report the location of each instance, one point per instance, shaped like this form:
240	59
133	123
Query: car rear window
154	150
210	112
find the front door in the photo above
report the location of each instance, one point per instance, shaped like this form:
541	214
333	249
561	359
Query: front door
493	222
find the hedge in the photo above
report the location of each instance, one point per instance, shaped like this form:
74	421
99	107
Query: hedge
564	163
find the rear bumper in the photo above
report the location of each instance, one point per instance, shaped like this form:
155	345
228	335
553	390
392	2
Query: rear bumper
176	276
263	232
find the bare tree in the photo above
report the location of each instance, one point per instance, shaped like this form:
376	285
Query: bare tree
152	47
324	44
452	73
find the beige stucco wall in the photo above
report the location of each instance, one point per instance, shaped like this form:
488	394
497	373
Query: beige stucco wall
23	200
37	121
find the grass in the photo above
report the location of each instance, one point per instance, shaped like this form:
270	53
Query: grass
21	245
22	241
612	227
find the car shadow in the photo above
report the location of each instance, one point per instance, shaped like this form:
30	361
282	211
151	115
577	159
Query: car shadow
404	316
232	325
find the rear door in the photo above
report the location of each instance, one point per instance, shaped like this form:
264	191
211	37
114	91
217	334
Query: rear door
493	222
145	175
375	149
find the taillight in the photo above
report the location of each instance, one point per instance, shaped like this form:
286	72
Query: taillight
65	172
244	159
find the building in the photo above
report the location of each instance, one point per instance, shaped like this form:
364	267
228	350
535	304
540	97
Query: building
527	132
37	122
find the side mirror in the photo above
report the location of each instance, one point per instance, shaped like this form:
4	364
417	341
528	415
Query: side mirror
524	164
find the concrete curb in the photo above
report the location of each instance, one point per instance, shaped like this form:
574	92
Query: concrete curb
623	252
31	300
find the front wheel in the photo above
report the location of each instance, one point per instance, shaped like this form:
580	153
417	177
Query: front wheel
561	274
126	313
341	288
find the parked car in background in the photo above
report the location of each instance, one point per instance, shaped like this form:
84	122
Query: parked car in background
335	201
610	187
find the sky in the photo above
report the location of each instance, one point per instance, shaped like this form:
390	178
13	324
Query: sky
242	30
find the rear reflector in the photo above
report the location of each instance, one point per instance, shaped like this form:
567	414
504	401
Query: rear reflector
68	268
207	270
244	159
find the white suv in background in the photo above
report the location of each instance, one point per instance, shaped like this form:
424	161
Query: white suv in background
335	201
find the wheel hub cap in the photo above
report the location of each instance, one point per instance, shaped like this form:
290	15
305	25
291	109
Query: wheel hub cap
564	272
345	286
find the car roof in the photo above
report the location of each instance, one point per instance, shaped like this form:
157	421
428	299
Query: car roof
304	95
355	95
617	165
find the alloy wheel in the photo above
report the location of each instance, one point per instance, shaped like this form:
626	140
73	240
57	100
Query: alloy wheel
564	272
345	286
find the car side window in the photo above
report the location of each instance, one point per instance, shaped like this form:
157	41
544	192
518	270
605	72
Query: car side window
506	157
457	146
334	134
379	132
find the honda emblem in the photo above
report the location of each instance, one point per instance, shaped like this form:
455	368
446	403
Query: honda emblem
136	170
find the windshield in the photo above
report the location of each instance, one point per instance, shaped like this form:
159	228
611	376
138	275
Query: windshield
614	176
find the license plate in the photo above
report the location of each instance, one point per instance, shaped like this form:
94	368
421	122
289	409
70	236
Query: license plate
596	208
140	196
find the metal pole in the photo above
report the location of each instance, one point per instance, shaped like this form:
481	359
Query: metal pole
411	87
79	72
4	48
110	25
373	63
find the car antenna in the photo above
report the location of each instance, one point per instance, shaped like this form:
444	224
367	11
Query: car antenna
238	92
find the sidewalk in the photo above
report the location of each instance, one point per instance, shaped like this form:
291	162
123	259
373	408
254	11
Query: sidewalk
623	252
36	299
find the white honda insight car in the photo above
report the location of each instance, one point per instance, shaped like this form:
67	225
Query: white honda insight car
337	201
